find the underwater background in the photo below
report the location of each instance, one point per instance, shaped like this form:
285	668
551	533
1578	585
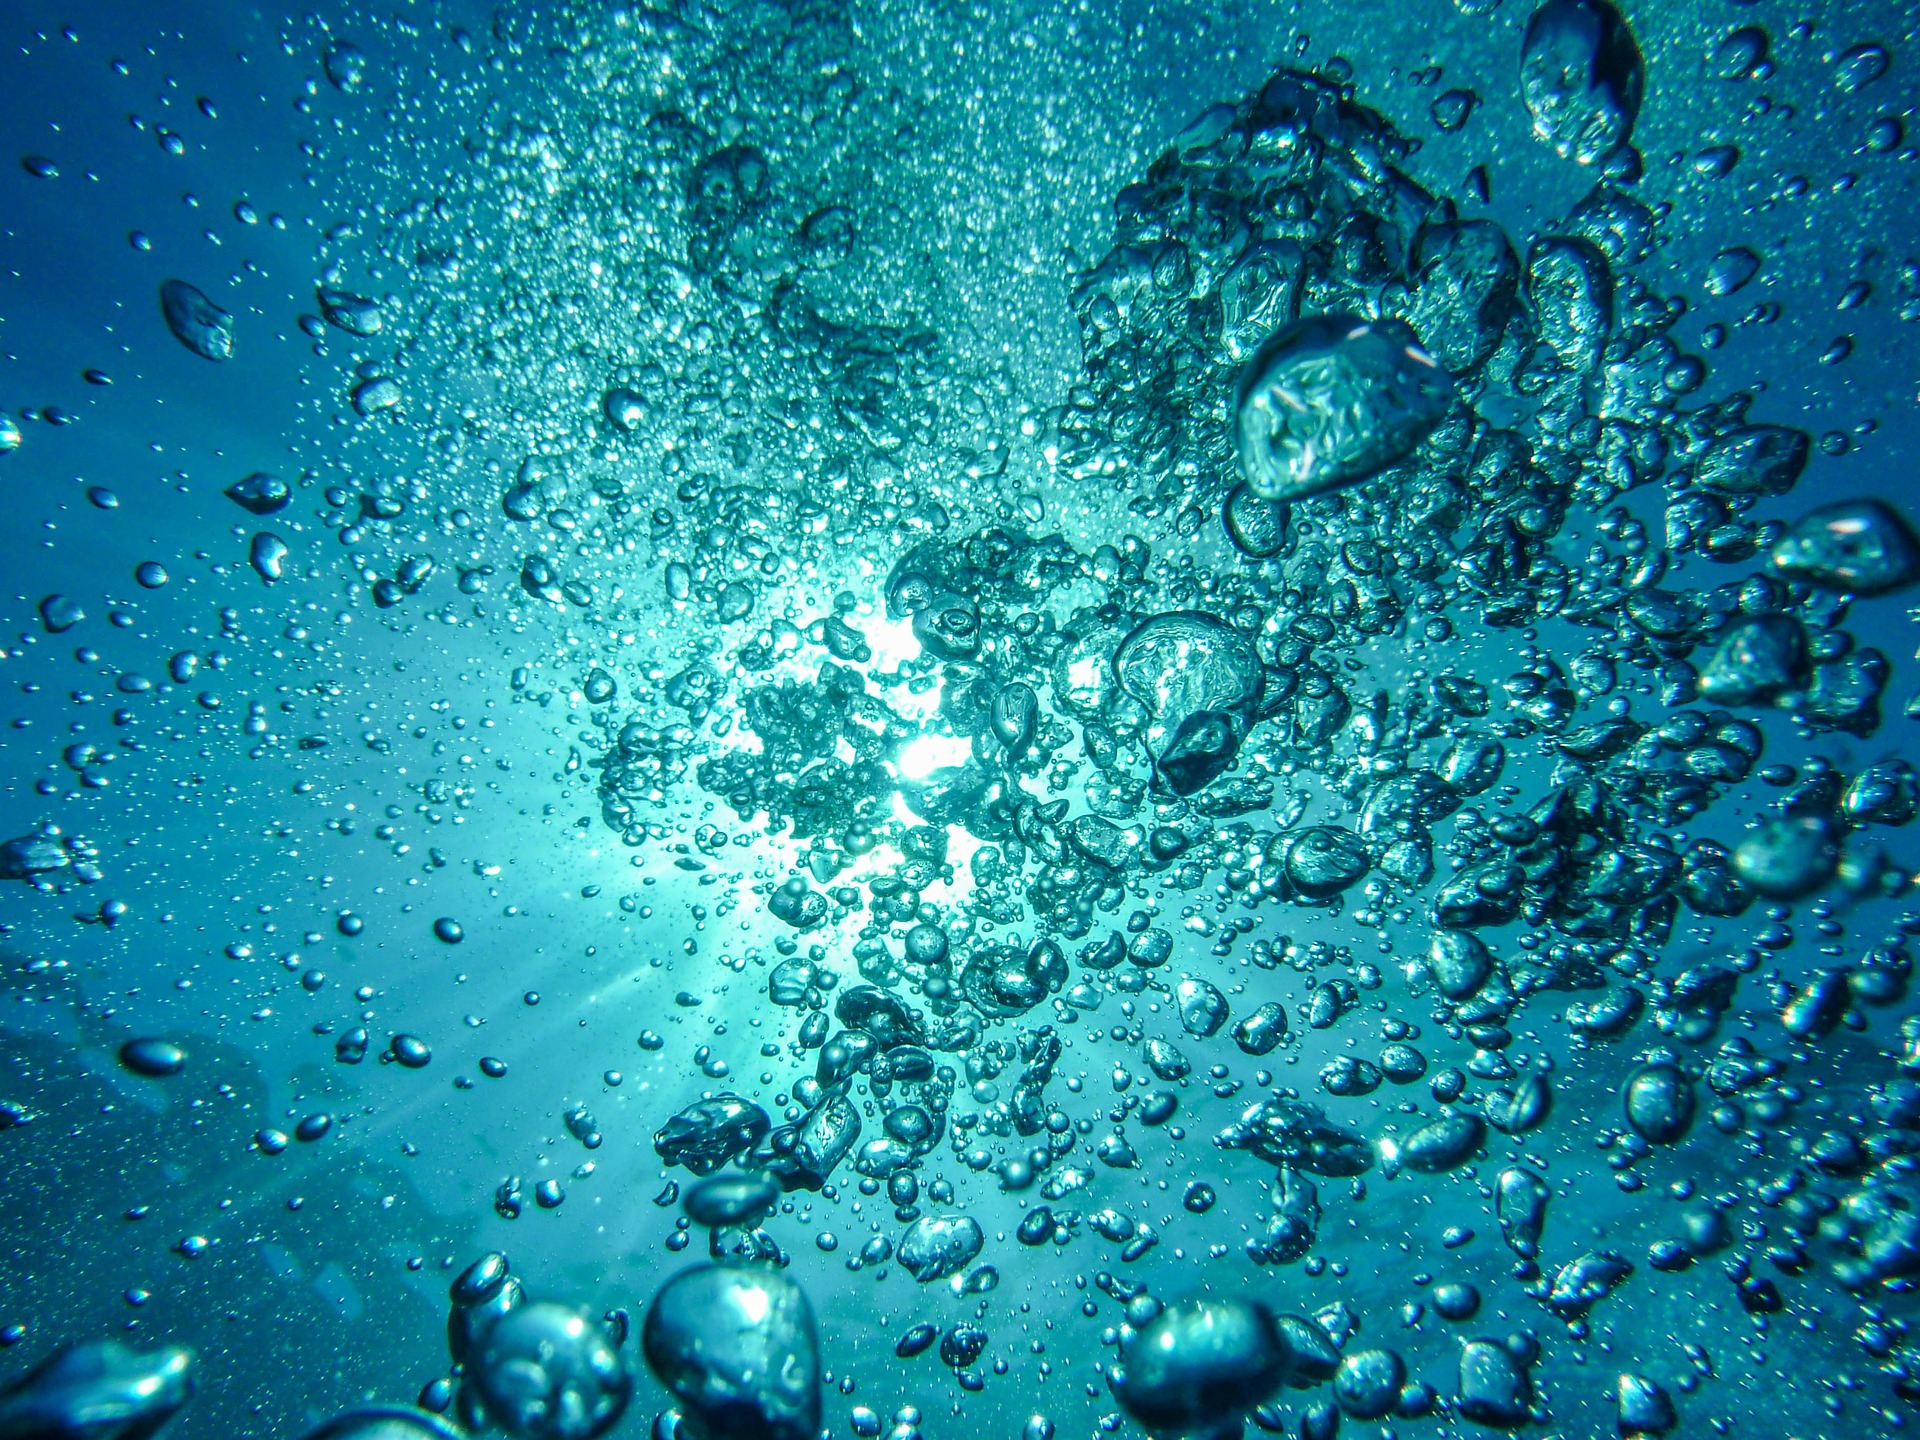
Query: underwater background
1210	700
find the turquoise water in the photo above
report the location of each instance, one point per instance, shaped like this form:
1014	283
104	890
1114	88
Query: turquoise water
1209	701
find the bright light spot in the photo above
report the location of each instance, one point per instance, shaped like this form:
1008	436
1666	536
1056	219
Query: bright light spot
753	1303
1084	674
890	640
933	752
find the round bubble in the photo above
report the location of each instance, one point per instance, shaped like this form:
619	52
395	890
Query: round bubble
546	1371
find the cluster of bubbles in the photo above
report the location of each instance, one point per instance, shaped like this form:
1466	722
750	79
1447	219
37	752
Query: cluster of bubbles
1295	346
1365	446
1390	414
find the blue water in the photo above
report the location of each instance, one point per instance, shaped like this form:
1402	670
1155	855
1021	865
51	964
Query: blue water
688	335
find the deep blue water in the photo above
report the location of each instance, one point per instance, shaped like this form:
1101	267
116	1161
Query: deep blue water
771	388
